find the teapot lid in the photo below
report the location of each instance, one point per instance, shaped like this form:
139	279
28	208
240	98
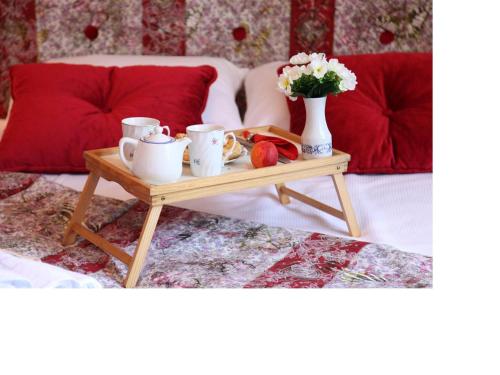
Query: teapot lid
157	136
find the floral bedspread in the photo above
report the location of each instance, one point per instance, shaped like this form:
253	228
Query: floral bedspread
192	249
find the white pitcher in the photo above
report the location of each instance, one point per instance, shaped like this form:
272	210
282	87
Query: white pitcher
157	158
206	156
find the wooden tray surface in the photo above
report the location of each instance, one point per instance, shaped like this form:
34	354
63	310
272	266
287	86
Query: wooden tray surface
108	162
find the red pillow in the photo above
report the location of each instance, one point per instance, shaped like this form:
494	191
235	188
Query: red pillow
386	123
61	110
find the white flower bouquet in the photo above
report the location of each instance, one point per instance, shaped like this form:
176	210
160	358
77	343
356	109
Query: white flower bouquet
313	76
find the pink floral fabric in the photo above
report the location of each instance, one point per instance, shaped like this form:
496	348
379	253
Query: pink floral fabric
17	41
196	250
72	28
249	32
12	183
312	262
163	31
382	25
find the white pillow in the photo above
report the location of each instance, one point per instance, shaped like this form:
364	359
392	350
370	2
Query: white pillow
221	108
265	104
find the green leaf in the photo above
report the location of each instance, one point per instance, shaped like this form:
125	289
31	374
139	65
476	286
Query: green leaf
309	86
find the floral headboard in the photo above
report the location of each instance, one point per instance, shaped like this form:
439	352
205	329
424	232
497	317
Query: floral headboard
247	32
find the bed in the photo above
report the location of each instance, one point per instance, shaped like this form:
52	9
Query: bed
391	209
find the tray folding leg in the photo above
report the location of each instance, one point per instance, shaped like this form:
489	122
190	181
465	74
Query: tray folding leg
345	203
347	213
284	198
76	226
79	213
141	250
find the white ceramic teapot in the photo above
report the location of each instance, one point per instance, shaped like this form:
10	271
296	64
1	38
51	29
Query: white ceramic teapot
157	157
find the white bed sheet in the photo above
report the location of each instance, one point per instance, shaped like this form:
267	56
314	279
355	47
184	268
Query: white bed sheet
20	272
391	209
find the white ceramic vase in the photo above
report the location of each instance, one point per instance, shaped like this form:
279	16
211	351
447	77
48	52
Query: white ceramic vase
316	138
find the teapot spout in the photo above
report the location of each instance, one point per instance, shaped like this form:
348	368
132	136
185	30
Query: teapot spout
181	145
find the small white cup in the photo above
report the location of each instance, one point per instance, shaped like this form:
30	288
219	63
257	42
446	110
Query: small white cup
205	151
138	127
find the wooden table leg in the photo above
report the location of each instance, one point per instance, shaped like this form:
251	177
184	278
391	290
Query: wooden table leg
283	197
79	213
142	248
345	202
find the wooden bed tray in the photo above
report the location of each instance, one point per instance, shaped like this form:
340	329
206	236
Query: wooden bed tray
238	175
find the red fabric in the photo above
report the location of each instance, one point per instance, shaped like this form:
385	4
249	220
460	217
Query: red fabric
239	33
318	255
61	110
285	148
386	123
311	26
91	32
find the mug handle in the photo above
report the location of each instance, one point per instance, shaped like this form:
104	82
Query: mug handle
168	129
123	142
228	153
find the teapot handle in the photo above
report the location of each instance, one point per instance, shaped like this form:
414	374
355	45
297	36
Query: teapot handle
168	129
123	142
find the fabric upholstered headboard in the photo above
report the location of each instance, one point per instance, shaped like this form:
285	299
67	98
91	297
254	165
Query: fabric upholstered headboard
246	32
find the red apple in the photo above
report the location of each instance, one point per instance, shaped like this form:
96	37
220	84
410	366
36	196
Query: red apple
264	154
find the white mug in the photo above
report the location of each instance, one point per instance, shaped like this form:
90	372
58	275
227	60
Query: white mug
205	151
138	127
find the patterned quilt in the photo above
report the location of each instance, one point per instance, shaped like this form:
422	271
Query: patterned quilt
192	249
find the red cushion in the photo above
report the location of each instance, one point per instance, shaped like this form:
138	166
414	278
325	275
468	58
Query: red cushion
61	110
386	123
